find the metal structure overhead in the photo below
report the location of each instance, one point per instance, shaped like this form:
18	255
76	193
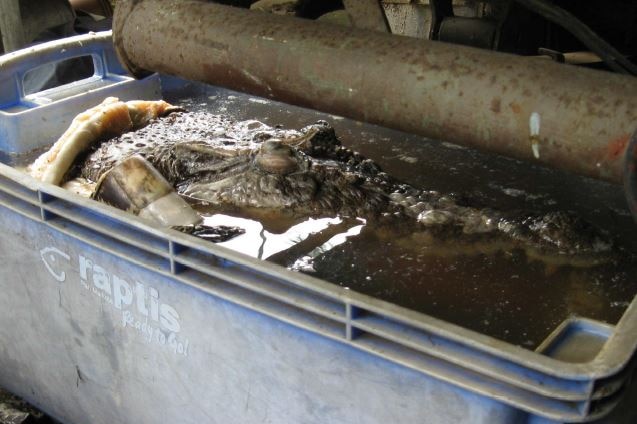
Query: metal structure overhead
528	108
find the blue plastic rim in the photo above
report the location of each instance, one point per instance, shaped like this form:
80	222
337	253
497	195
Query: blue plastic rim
29	121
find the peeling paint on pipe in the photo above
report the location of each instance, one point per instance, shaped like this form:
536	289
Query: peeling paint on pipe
468	96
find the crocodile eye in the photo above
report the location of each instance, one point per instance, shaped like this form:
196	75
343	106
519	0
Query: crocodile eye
276	158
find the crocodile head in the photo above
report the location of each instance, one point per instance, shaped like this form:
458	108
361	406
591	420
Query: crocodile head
281	175
249	166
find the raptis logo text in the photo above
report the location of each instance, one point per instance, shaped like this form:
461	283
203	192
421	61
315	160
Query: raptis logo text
140	303
123	295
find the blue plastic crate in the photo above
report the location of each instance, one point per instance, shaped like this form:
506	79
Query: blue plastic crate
106	318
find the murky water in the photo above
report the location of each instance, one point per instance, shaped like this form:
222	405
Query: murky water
502	294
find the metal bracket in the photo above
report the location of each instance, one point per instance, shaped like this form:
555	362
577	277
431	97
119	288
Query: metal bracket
367	14
440	9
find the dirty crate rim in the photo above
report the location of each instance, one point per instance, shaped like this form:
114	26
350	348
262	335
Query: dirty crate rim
460	356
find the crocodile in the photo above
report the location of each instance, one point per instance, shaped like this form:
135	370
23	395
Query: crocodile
308	172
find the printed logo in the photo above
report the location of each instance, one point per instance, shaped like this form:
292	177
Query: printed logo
142	309
51	257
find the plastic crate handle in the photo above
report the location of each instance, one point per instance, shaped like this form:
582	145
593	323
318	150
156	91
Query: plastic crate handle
32	120
14	66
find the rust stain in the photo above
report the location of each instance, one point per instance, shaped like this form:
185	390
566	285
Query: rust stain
227	48
495	105
617	147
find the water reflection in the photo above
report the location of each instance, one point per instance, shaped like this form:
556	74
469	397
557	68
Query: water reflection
501	294
498	292
307	239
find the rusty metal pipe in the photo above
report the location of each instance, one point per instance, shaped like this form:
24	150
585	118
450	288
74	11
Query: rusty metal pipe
577	119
